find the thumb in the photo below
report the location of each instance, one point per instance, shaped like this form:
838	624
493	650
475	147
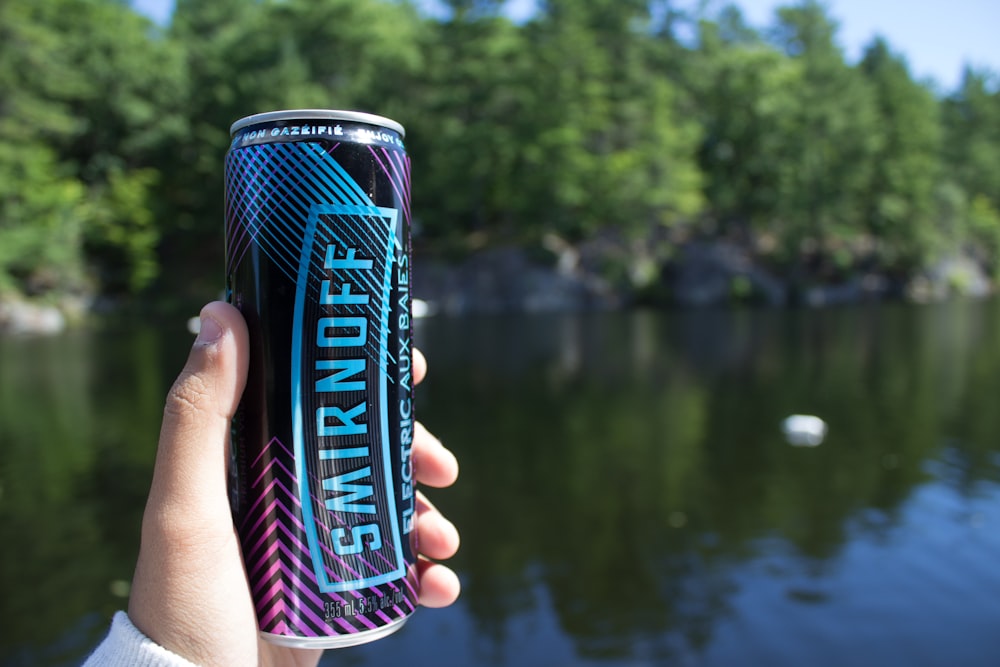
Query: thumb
190	471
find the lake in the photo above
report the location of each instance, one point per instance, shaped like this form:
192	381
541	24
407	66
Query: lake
626	497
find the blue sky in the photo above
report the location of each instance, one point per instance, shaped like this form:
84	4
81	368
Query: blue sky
937	38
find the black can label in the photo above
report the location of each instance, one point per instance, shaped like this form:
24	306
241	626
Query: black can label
318	262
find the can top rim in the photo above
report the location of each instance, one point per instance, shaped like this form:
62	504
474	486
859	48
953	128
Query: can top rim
317	114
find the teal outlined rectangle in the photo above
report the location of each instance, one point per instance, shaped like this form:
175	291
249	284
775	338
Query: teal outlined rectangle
363	214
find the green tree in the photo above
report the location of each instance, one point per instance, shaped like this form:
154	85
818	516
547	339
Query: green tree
971	155
830	141
127	113
746	95
972	130
469	134
592	121
624	156
88	94
824	157
899	207
606	152
567	126
40	200
42	210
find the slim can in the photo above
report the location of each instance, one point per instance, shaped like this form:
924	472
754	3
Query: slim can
318	261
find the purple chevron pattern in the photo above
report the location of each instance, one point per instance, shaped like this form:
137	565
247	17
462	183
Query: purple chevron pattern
279	565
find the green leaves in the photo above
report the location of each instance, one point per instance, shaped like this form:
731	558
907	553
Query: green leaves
41	220
835	164
899	203
122	234
564	125
89	99
594	119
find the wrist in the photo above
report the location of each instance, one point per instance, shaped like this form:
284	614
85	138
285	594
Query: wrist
126	646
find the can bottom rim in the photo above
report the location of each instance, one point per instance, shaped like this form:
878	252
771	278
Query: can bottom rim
334	641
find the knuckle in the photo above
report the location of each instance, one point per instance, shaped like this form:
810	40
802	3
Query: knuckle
188	394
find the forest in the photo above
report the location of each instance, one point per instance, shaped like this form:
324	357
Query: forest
624	125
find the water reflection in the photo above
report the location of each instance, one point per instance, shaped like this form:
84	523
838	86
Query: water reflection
78	419
627	496
631	466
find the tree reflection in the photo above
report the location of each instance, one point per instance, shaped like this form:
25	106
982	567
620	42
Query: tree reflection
79	418
627	463
618	470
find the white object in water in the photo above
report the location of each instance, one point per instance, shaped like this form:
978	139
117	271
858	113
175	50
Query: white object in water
422	308
804	430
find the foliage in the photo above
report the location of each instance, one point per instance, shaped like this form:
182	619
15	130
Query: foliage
87	96
40	219
971	156
41	204
898	202
741	152
832	133
592	119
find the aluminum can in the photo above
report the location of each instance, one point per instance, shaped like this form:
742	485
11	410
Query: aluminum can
318	261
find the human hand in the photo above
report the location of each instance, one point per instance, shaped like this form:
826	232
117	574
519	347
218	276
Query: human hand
190	591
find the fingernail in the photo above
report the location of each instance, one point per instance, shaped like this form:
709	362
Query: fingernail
209	332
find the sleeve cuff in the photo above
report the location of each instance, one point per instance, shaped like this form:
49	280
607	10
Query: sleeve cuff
126	646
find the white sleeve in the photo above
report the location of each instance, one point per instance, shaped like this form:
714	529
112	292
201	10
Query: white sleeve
126	646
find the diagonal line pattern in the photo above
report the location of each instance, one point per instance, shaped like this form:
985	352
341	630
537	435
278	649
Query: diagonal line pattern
271	190
279	566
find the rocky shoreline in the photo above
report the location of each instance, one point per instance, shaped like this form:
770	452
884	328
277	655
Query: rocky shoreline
509	279
20	317
702	275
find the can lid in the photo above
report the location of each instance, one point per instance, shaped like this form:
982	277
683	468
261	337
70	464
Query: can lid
317	114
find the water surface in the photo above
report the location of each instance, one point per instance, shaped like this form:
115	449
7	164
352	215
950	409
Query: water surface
626	495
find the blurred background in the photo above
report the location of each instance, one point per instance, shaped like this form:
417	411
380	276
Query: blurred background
647	232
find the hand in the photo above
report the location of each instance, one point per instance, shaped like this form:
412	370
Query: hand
190	592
